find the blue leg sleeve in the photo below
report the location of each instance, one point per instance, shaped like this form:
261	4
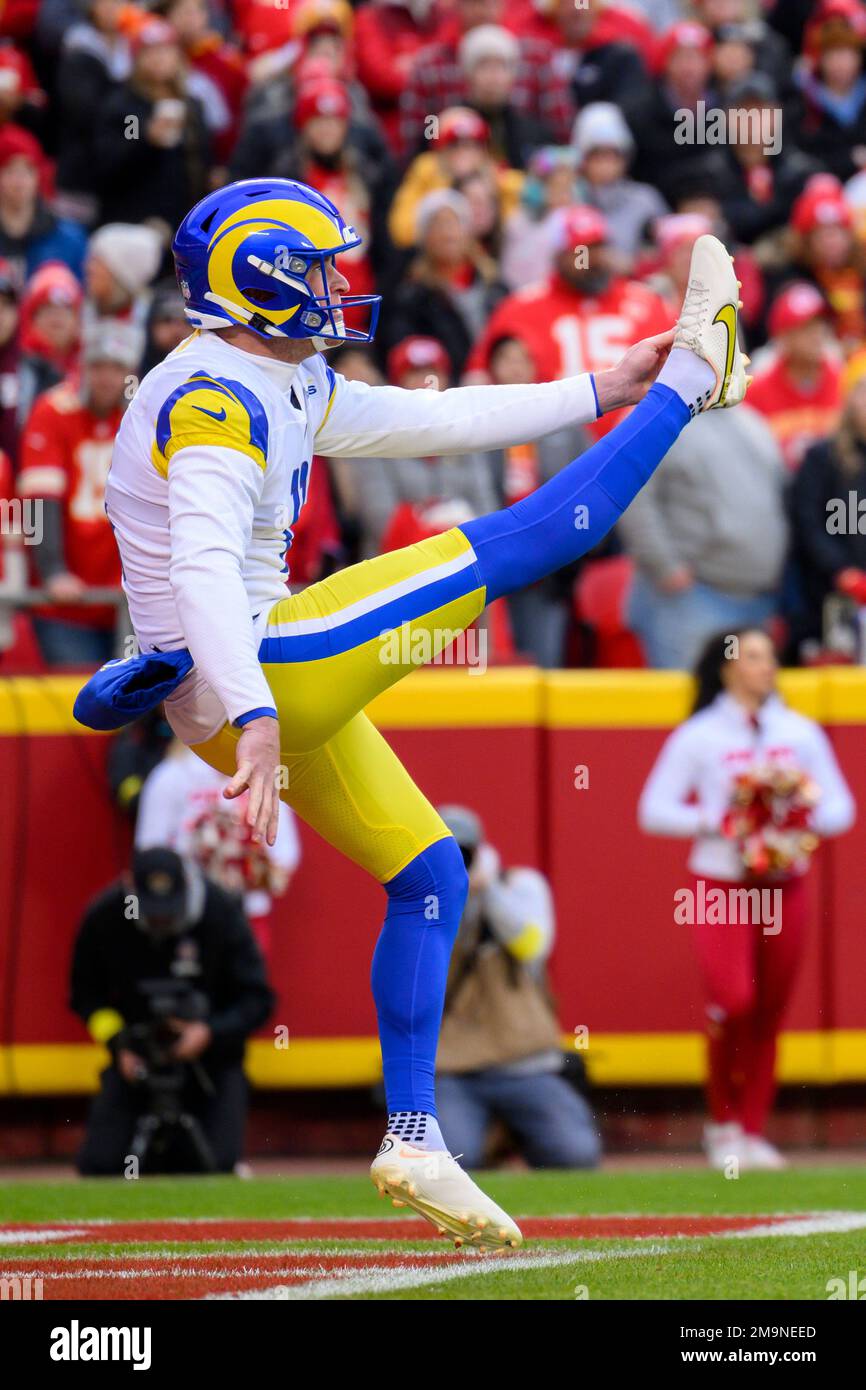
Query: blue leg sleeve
410	970
573	511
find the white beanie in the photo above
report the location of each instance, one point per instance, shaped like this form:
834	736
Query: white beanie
434	202
601	124
113	340
487	41
130	252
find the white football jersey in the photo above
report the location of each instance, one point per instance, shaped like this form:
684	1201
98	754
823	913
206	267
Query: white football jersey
209	395
210	470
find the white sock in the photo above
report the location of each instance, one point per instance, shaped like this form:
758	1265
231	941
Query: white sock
417	1127
689	375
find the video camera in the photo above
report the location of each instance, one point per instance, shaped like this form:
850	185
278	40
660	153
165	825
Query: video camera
154	1039
168	1137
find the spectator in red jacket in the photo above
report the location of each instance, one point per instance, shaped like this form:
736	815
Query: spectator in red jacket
799	391
583	316
50	332
825	249
65	456
388	35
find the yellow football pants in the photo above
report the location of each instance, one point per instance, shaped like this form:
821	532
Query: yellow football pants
327	652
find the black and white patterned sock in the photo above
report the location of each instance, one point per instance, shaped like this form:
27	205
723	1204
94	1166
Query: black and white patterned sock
418	1128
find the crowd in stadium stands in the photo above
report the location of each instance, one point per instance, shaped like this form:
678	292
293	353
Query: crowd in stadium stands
529	177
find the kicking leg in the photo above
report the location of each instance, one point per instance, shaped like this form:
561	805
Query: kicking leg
574	510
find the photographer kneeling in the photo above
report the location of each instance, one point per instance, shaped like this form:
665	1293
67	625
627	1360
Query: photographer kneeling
499	1052
166	973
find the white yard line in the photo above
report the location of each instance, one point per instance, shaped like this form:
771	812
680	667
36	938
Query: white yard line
255	1252
40	1236
381	1279
156	1272
822	1223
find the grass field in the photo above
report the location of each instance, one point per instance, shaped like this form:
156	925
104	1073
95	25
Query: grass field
647	1235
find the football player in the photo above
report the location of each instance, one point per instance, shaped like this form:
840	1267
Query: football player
210	471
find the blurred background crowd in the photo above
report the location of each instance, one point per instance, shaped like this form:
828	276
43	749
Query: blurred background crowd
528	197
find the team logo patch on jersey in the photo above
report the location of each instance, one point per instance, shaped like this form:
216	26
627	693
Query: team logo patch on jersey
233	419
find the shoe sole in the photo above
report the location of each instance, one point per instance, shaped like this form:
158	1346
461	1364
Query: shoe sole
470	1229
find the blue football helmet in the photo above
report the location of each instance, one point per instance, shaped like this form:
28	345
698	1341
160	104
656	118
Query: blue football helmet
243	253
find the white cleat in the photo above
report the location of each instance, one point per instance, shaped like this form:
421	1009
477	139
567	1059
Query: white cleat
709	320
725	1144
432	1183
760	1153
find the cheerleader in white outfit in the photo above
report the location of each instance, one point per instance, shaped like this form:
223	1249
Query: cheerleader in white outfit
740	723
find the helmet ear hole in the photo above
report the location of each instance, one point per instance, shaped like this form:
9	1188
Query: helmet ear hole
260	297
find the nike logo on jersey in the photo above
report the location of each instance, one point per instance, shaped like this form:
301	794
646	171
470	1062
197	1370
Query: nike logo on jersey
214	414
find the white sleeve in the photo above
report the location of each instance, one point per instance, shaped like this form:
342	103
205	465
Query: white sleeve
519	909
212	494
836	810
663	809
389	422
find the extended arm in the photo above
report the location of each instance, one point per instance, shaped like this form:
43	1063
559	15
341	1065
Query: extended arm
388	422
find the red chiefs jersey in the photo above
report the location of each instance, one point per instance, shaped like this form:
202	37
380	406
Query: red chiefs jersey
796	416
567	332
65	455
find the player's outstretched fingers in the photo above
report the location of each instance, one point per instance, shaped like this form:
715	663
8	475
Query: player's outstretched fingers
239	782
258	792
274	816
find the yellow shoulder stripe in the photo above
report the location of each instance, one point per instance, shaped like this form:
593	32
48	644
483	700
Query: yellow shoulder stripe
212	412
